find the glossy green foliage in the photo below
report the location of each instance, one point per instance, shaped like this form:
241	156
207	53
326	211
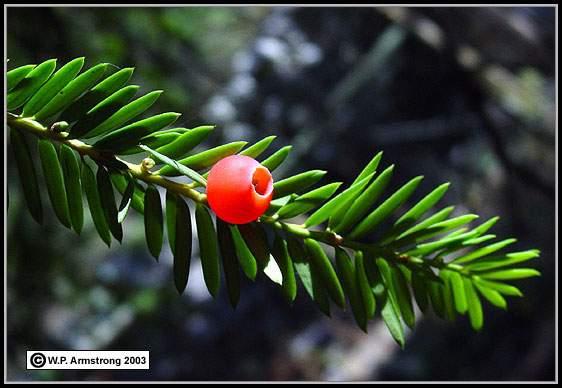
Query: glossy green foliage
182	243
28	176
108	204
30	84
297	183
204	159
185	142
54	179
71	173
52	87
94	202
208	249
245	256
280	251
351	243
153	221
15	76
229	261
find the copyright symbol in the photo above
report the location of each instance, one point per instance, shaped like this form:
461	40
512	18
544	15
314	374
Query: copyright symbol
37	360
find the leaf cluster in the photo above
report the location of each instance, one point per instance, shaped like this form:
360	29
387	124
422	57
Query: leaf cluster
357	245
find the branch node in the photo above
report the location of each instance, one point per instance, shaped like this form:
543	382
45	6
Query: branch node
59	127
338	240
146	165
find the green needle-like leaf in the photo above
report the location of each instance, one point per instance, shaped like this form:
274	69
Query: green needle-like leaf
94	203
336	204
71	172
478	240
96	95
258	148
54	85
409	234
107	198
278	157
420	291
185	142
436	296
246	258
484	251
28	86
389	282
367	296
15	76
369	169
204	159
436	228
308	201
102	111
474	305
459	232
297	183
385	209
278	203
154	141
126	200
423	205
362	204
403	296
184	170
320	292
301	264
183	244
27	174
374	276
171	204
448	297
230	262
397	290
493	296
484	227
412	215
459	295
131	135
179	131
126	113
346	270
488	263
256	239
52	170
121	183
327	272
71	91
449	224
510	274
153	221
208	249
280	253
391	318
309	276
430	247
320	194
502	288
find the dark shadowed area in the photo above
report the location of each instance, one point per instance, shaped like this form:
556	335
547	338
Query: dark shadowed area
465	95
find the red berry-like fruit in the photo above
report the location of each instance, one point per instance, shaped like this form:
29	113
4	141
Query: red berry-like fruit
239	189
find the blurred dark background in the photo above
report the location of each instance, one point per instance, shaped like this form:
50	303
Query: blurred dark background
465	95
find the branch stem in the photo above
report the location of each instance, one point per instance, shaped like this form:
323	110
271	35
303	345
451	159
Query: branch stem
136	170
188	190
